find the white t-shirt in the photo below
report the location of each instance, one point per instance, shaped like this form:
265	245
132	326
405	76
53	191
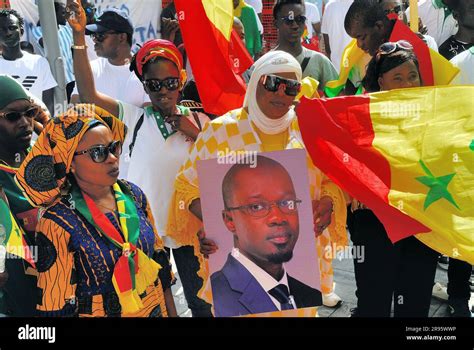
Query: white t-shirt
333	25
117	82
312	17
256	4
439	28
90	49
465	62
155	162
31	71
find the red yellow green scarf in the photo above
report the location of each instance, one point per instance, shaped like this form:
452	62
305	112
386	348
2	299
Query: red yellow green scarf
134	271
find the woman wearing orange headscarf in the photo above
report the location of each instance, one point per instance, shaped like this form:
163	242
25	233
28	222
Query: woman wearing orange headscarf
98	250
159	139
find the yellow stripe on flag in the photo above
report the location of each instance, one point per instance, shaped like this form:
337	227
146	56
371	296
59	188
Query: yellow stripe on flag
445	71
352	57
221	15
15	244
427	136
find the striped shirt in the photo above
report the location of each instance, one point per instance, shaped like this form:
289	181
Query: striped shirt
65	43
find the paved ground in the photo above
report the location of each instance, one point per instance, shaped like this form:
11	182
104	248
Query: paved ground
345	288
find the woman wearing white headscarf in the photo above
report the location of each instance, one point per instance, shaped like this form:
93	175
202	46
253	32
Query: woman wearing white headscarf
267	122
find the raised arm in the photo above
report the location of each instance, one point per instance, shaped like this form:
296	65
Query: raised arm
82	68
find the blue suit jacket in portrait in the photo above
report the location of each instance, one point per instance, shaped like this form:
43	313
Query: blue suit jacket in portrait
236	292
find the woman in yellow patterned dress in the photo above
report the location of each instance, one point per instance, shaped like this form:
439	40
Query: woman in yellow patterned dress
99	253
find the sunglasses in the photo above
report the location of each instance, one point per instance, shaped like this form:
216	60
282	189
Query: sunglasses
155	85
288	20
396	9
390	47
15	116
99	37
100	153
272	83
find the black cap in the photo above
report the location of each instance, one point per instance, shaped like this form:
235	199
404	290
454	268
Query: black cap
111	19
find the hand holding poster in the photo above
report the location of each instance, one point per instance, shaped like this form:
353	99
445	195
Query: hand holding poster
258	212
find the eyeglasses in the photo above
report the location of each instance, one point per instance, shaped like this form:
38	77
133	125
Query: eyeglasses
99	37
15	116
272	83
262	209
155	85
396	9
390	47
288	20
100	153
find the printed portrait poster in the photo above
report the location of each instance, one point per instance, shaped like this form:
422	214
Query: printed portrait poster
257	209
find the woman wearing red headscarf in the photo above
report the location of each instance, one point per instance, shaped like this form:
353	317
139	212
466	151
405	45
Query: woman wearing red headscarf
159	137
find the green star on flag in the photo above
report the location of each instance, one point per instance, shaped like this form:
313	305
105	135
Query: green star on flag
438	187
472	145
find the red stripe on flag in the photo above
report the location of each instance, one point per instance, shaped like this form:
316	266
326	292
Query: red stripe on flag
338	135
220	89
122	274
242	58
101	220
422	51
7	169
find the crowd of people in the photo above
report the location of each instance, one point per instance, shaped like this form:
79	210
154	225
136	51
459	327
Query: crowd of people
106	191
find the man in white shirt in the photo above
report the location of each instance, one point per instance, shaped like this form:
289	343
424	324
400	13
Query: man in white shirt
112	35
254	279
32	71
335	37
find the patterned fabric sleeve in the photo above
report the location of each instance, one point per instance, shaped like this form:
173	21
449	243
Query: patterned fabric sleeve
56	270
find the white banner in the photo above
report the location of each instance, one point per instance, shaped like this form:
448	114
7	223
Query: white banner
145	16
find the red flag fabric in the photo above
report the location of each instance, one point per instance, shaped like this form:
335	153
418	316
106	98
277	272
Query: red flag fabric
339	141
407	154
206	30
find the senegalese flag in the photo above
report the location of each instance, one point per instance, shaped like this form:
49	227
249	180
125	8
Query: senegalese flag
215	56
11	234
406	154
434	68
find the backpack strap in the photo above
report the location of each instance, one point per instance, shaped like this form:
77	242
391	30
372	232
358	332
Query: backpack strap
304	64
198	121
135	133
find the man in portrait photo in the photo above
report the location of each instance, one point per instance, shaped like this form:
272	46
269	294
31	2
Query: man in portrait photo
261	212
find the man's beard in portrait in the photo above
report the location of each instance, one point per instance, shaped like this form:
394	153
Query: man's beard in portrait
280	257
